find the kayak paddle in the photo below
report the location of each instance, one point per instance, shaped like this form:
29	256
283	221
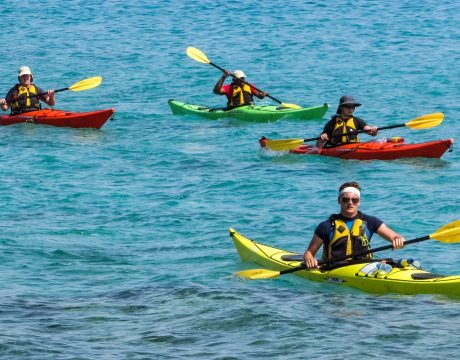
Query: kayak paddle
199	56
422	122
81	85
449	233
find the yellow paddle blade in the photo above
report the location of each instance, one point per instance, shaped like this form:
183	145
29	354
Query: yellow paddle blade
197	55
426	121
256	274
283	144
430	116
290	106
449	233
86	84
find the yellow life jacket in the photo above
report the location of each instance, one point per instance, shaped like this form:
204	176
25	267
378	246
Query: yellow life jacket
25	99
344	127
345	241
240	95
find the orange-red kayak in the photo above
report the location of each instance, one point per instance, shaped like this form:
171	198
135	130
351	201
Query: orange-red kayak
54	117
388	149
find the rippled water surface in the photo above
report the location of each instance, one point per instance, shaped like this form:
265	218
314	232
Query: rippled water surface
114	243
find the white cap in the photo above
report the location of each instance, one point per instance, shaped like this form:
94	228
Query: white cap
239	74
24	70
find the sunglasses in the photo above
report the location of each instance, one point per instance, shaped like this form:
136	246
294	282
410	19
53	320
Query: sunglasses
346	200
349	106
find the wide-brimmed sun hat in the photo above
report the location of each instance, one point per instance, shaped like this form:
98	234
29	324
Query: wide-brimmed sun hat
348	100
239	74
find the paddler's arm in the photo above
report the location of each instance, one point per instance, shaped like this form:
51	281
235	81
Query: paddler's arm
371	130
309	256
49	98
323	138
326	134
368	129
259	94
218	87
3	104
396	240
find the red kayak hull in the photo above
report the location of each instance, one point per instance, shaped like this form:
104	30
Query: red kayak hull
375	150
54	117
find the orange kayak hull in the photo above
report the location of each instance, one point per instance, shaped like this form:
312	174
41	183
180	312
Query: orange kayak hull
375	150
54	117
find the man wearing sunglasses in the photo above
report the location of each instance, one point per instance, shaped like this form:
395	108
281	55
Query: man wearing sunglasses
349	232
341	129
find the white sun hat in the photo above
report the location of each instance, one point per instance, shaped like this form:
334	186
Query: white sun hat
239	74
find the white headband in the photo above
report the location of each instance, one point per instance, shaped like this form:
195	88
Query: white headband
350	189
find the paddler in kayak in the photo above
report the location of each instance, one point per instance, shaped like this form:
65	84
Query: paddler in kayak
339	130
350	231
25	96
239	92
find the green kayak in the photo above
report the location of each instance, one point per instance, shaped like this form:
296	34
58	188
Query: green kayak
250	112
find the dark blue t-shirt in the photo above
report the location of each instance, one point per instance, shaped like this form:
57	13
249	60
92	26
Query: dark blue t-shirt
325	230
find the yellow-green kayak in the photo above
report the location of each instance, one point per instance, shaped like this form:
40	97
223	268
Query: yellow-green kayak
250	112
365	276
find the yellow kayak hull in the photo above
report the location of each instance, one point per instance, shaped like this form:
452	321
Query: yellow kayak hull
403	280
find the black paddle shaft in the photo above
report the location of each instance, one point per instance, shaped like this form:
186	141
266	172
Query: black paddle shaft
329	263
37	95
358	132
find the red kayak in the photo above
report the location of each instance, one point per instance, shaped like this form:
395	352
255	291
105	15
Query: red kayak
54	117
388	149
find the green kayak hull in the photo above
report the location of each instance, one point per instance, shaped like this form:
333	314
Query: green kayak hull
250	113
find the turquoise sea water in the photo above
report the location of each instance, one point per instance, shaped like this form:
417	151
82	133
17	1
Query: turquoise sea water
114	243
